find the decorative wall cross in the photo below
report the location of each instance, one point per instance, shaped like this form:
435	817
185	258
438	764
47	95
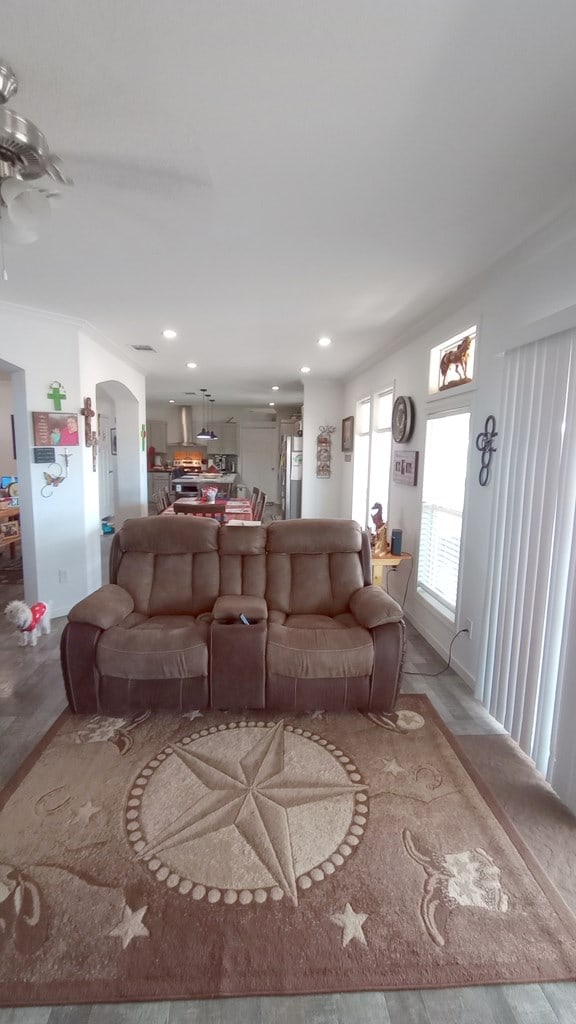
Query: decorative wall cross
484	444
88	413
56	393
94	449
143	436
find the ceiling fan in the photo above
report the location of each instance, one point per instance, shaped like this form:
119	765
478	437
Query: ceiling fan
31	176
29	172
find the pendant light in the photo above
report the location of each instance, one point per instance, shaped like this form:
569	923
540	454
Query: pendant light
204	433
213	436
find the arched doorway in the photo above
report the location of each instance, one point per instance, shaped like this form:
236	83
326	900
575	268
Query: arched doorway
119	458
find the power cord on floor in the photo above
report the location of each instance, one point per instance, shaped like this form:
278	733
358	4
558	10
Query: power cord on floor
432	675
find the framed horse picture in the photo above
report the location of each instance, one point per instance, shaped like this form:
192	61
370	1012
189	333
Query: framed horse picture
453	369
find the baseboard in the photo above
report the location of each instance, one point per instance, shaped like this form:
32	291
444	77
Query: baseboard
443	652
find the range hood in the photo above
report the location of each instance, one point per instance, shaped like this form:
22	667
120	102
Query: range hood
186	434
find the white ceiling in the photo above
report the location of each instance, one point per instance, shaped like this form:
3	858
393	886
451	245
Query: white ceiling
256	173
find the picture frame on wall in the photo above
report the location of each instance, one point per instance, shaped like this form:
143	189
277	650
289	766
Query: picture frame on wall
405	468
59	429
348	434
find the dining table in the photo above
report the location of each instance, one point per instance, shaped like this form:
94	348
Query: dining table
222	509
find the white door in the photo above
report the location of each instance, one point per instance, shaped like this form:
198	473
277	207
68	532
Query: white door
105	471
259	459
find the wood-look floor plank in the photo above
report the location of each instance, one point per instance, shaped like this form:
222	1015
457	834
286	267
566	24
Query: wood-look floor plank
562	998
530	1005
406	1008
70	1014
368	1007
490	999
282	1010
129	1013
198	1011
444	1006
25	1015
321	1009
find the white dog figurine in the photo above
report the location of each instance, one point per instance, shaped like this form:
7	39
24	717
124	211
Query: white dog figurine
29	620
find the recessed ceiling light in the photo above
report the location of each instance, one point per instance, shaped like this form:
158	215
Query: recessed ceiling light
271	403
275	387
324	342
191	366
304	369
170	401
169	334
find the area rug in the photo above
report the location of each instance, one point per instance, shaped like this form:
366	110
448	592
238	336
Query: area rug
177	857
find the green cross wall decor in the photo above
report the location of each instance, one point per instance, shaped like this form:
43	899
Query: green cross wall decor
56	393
143	436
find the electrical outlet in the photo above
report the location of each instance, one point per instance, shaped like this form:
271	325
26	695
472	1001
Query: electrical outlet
467	625
62	575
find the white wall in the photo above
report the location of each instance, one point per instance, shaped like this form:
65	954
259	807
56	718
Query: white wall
323	401
7	460
61	553
527	295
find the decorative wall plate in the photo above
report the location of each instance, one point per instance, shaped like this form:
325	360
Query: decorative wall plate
402	419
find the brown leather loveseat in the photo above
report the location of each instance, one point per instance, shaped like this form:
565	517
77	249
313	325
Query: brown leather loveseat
166	632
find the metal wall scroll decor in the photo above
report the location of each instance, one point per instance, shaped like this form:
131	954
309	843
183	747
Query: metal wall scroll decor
484	444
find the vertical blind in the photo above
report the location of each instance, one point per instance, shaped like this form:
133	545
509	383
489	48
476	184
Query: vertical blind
529	580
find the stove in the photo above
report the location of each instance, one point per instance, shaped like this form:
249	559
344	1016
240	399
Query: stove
186	467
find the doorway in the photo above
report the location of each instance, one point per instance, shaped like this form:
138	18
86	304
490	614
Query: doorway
11	574
259	459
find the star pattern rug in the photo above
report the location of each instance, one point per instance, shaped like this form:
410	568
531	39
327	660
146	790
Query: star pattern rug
163	857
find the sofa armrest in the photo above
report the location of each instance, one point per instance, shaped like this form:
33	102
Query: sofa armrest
230	607
371	606
106	607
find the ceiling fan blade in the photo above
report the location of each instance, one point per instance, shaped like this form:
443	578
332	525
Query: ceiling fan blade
113	173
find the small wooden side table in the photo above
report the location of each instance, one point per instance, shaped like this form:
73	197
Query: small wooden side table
10	514
381	566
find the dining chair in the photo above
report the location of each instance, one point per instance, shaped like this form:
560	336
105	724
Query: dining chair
260	506
254	501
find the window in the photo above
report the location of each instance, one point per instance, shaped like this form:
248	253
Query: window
452	362
443	488
372	453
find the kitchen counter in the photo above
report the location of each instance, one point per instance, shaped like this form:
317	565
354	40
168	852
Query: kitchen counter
217	478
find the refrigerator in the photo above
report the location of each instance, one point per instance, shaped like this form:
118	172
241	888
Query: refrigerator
291	477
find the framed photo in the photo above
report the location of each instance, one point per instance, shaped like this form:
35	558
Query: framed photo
348	434
113	446
55	428
405	468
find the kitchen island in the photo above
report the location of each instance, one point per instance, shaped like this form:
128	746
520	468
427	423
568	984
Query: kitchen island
192	482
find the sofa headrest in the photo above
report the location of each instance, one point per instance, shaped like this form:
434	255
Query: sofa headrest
240	540
313	536
169	535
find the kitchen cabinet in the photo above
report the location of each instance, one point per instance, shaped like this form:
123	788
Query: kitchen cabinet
157	482
226	441
156	435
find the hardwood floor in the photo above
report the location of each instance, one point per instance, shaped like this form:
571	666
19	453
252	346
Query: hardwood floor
31	697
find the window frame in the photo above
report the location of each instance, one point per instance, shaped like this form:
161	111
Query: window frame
452	406
372	401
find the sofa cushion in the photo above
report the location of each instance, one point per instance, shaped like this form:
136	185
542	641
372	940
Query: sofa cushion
168	565
312	651
242	561
313	565
157	647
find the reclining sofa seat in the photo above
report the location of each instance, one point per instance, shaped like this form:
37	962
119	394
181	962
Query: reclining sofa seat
321	652
142	641
166	632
